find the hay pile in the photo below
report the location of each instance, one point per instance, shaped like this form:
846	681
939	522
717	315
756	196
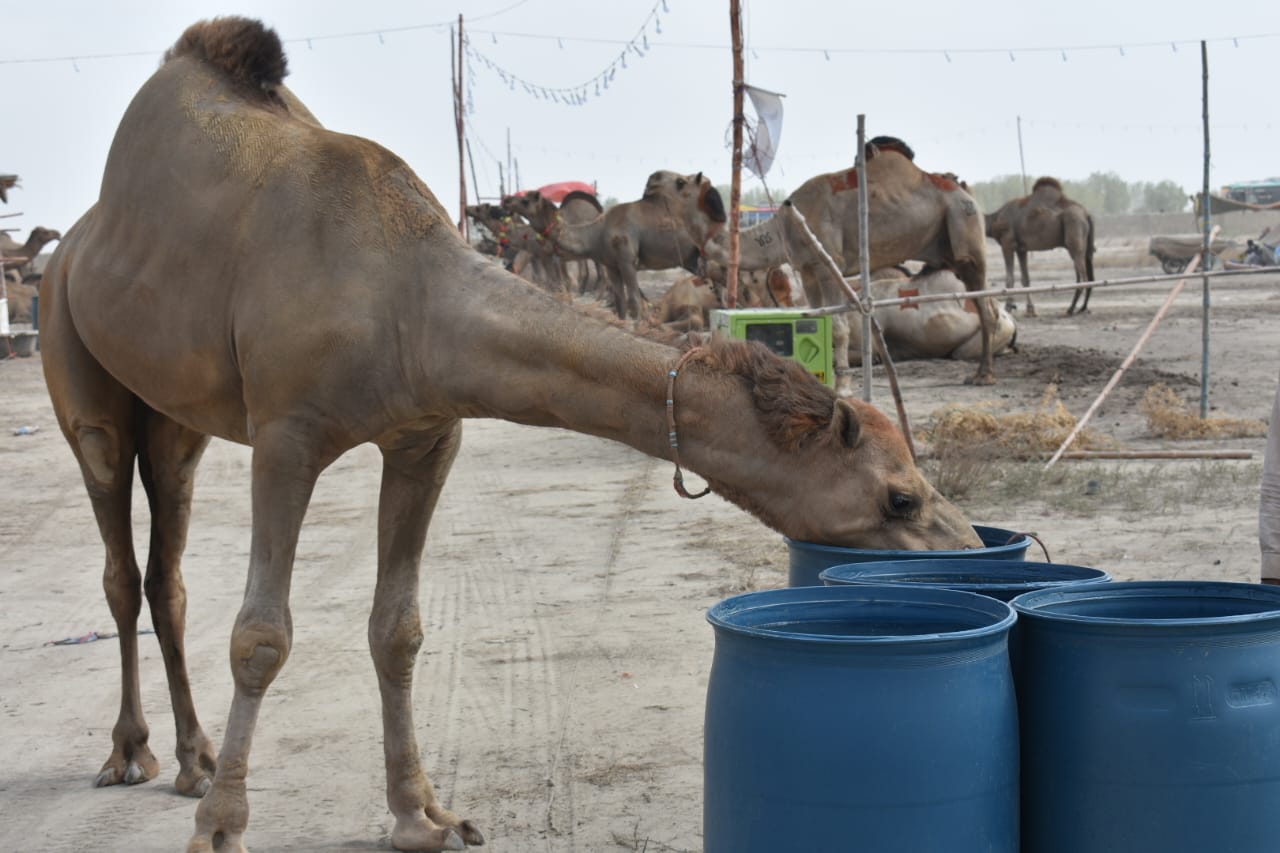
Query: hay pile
1030	434
1168	416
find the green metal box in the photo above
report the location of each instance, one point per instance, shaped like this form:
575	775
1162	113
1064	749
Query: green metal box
791	334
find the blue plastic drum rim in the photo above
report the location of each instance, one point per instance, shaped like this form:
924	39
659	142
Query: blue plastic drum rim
999	535
1258	606
754	614
1009	576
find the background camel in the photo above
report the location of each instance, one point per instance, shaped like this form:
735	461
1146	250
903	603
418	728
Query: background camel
577	208
407	331
912	215
525	251
666	228
1044	220
948	329
35	243
687	304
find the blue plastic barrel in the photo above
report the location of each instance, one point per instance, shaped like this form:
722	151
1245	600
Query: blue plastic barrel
808	559
1002	579
1150	718
875	719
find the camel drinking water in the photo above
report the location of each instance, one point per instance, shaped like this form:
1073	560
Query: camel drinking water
173	312
1039	222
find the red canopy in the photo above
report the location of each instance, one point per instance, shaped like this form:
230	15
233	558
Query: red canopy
557	191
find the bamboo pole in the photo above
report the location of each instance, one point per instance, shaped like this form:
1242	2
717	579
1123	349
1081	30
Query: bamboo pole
881	347
1151	327
735	190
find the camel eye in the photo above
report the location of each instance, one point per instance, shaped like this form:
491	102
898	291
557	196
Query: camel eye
901	504
679	183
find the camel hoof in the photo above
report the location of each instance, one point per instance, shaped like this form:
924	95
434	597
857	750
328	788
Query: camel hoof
216	843
981	379
196	789
471	833
1031	312
428	838
142	768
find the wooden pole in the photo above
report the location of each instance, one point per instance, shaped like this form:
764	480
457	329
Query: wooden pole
735	190
864	255
1158	454
1151	327
459	112
1204	282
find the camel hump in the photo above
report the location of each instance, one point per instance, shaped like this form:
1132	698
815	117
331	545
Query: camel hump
244	49
889	143
582	195
1052	183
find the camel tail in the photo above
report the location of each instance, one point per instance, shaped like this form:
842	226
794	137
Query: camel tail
243	49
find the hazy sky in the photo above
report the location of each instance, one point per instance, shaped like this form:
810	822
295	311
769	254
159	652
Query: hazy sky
1099	86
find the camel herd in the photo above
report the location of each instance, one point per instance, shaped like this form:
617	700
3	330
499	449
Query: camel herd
303	292
913	215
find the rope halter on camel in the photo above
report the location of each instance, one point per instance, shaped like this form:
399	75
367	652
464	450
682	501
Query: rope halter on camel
677	480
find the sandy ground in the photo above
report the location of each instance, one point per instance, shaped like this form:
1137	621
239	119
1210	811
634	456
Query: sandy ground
561	685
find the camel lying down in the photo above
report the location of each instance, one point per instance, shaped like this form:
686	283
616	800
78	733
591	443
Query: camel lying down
303	292
948	329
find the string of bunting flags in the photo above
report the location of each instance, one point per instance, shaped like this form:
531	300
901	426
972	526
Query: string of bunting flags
637	46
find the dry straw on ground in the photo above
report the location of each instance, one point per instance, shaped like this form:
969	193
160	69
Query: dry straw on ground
977	430
1169	416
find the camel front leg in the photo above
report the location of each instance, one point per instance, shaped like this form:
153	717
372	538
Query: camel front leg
413	472
1026	280
631	288
284	475
167	463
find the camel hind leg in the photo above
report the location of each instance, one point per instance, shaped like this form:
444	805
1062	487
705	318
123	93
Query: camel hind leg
167	462
97	416
413	472
1077	240
108	428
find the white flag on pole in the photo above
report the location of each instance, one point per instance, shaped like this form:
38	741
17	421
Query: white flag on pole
768	130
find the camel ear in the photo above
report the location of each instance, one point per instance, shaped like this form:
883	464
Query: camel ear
697	179
845	424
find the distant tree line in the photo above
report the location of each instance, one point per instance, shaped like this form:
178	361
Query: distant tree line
1101	192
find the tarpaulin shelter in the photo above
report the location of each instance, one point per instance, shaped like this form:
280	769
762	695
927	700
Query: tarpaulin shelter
557	191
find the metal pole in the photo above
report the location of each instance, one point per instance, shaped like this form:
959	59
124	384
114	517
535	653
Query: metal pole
864	254
1204	281
1021	160
735	190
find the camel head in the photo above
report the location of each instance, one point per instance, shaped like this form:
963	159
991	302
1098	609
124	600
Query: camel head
529	205
40	236
853	482
696	188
